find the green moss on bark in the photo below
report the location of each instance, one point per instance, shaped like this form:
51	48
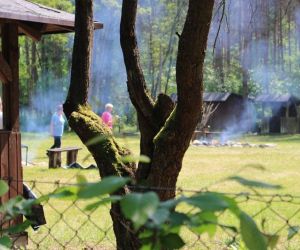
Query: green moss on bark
105	150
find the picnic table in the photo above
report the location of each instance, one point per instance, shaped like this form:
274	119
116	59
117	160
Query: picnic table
54	155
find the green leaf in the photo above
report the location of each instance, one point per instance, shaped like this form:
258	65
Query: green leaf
146	247
253	184
251	235
110	199
133	158
146	234
292	231
204	222
65	193
272	240
160	216
232	205
207	217
5	242
170	204
208	202
106	186
172	241
3	187
19	228
11	206
208	228
178	219
139	207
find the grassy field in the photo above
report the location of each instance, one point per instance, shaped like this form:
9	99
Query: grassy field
203	167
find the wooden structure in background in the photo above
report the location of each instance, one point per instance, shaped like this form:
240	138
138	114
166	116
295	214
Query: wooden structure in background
231	112
280	113
20	17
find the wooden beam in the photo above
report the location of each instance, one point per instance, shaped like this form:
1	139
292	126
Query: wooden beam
11	92
30	31
5	70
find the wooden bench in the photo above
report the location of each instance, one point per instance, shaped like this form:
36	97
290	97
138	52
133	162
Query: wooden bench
54	155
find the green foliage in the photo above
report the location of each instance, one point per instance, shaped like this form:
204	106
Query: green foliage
292	231
3	187
251	235
107	186
64	5
44	67
139	207
208	202
5	242
161	223
9	210
157	24
158	224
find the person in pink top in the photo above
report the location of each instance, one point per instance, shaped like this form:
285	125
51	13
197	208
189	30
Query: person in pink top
107	117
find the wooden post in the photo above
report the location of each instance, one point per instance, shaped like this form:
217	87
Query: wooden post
10	137
10	51
54	159
71	156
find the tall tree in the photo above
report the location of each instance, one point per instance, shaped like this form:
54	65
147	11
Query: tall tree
165	130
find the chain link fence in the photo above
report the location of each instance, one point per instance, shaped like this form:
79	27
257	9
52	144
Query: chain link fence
70	226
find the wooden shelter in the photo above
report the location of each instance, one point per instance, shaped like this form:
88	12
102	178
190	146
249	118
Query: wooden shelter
231	111
279	113
20	17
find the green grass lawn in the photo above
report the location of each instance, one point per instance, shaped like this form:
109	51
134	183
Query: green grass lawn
203	167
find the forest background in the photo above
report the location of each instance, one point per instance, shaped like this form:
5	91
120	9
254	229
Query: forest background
254	48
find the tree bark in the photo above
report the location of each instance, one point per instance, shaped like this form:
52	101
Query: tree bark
88	126
166	131
166	144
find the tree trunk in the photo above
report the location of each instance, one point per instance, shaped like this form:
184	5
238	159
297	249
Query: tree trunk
167	142
165	131
88	126
281	48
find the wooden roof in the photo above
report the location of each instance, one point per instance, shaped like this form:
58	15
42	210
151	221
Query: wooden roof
216	96
212	96
38	17
269	98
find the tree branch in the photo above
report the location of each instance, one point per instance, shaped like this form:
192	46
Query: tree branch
190	60
174	138
81	61
223	3
135	78
87	125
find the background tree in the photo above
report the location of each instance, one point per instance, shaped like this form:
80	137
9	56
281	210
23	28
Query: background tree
165	130
257	51
44	74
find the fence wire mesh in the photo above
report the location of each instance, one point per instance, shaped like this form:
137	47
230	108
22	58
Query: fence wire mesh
70	226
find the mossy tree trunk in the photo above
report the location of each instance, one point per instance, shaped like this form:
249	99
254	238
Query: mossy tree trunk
165	129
